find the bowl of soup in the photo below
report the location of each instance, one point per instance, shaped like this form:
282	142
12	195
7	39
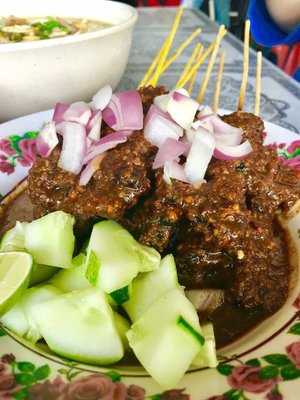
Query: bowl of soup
60	51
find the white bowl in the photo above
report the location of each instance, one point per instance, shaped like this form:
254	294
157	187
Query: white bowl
35	75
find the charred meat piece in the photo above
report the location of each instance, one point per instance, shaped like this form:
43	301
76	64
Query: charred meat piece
155	222
200	267
122	178
252	126
262	278
148	93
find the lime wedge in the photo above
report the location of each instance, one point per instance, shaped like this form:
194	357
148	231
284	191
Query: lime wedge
15	269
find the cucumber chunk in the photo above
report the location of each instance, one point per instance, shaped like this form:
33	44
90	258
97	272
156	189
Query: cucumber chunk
41	273
163	346
114	257
18	319
80	325
148	287
207	357
14	240
50	239
73	278
123	327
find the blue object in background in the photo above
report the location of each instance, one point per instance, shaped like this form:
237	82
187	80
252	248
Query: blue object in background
264	29
222	10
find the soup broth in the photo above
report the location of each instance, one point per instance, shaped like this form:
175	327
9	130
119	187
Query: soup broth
15	29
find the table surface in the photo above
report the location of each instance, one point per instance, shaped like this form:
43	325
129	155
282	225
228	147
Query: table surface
280	94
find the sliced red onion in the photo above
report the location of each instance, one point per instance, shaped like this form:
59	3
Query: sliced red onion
153	111
59	111
90	169
159	127
78	112
94	125
204	111
182	109
174	170
73	148
203	124
102	98
221	126
205	300
106	143
124	111
162	101
47	140
199	156
170	150
223	152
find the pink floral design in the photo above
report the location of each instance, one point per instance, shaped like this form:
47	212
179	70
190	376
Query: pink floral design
174	394
293	351
296	303
247	378
135	392
5	146
94	387
28	149
274	395
5	166
8	385
293	146
48	390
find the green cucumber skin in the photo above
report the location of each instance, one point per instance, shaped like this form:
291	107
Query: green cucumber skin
189	329
120	296
207	357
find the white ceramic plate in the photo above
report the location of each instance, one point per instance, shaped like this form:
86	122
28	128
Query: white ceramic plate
264	364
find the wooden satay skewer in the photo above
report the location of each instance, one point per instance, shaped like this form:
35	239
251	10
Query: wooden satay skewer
167	48
189	64
244	83
258	83
193	78
202	59
216	100
152	67
211	64
147	77
180	49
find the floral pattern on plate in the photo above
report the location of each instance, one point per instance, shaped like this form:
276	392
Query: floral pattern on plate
17	149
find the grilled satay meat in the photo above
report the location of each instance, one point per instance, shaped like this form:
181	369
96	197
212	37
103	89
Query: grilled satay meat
155	221
122	178
224	234
240	247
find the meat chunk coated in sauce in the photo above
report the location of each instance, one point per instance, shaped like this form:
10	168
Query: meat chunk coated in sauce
117	185
224	234
122	178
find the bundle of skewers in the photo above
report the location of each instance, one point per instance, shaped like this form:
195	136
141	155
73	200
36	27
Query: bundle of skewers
213	53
